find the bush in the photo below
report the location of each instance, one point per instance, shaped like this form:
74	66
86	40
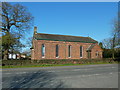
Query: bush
54	61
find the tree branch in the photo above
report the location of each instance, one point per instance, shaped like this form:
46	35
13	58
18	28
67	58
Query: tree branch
5	29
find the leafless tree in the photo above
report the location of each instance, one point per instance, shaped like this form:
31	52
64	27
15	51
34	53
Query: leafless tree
15	20
115	35
107	43
114	40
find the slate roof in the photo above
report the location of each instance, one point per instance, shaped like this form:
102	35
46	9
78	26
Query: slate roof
90	47
55	37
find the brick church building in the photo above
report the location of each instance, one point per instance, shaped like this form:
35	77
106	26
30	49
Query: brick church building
51	46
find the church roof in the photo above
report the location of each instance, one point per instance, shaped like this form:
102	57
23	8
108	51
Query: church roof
67	38
90	47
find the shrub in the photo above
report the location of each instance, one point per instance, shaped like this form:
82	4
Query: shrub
56	61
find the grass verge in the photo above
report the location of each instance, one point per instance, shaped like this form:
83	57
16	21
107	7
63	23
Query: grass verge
52	65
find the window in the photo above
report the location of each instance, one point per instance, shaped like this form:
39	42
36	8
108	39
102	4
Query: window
57	50
97	54
81	51
43	50
69	51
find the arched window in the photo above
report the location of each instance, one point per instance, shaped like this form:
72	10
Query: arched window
81	51
57	51
69	51
43	50
97	53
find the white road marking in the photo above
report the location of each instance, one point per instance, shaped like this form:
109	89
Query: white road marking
111	73
113	67
24	72
76	69
67	77
33	80
83	75
51	71
21	72
96	74
80	69
51	84
16	73
88	75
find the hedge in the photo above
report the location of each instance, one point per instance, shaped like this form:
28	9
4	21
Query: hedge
58	61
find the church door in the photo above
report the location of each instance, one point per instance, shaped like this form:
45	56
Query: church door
89	54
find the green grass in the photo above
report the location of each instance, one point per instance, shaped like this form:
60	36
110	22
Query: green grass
52	65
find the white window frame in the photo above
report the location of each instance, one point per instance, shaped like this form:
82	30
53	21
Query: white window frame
57	57
43	51
97	53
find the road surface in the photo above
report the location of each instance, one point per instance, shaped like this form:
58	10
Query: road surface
84	76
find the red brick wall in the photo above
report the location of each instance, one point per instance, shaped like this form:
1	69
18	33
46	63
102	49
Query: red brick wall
50	50
96	49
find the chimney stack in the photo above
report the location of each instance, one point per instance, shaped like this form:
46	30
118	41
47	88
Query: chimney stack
35	30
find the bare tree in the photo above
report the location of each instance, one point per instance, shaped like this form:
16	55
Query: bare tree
115	35
107	43
15	20
114	40
29	42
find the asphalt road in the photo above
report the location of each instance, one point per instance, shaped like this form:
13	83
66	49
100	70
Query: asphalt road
84	76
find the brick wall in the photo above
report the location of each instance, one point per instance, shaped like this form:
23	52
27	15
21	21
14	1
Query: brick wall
50	50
